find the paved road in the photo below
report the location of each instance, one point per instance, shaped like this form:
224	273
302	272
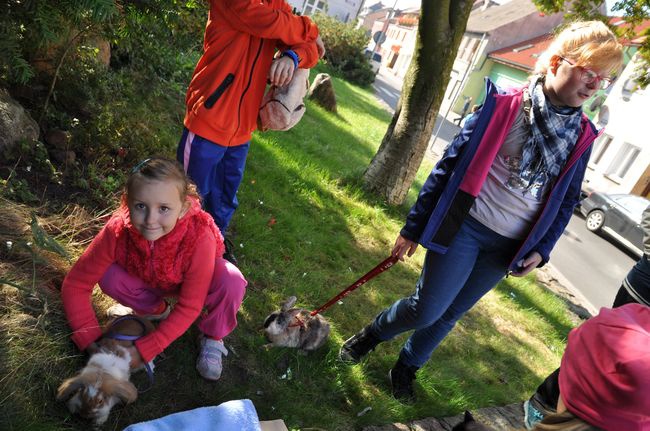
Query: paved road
388	89
591	263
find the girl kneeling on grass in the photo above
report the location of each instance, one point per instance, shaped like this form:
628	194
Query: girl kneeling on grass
159	244
499	199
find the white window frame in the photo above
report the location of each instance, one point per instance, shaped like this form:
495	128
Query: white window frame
312	5
623	160
600	148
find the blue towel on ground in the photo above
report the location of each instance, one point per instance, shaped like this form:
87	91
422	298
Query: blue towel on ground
233	415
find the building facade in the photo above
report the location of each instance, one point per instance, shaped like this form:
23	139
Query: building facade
343	10
620	158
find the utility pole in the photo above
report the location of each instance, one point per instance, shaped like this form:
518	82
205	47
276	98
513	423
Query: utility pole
382	37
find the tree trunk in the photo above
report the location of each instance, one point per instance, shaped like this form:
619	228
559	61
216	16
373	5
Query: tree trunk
440	30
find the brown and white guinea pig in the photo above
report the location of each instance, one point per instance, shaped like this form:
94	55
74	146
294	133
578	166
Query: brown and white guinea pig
104	381
294	327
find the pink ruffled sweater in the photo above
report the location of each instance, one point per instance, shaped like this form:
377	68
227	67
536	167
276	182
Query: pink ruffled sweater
180	264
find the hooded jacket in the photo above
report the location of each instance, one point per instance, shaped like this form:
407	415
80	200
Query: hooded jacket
241	38
454	183
179	264
605	371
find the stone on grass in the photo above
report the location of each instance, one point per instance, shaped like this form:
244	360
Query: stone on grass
15	122
322	92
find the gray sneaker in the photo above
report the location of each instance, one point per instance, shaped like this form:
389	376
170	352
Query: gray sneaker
118	310
209	363
532	416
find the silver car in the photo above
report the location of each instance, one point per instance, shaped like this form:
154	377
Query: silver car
617	215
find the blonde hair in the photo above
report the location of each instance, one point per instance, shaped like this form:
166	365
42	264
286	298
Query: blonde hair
161	169
588	43
565	421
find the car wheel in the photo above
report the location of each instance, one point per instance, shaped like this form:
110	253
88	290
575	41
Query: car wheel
595	220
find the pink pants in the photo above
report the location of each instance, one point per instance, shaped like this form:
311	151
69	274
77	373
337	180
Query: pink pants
225	295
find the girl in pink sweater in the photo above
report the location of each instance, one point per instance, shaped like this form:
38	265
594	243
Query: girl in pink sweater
159	244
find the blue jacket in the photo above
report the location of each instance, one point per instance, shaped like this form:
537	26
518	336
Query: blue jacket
452	186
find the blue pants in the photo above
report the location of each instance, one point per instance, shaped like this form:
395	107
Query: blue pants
217	172
449	285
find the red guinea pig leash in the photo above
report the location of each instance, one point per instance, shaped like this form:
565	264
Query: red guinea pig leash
383	266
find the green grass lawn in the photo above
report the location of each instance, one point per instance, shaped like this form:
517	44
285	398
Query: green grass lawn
304	228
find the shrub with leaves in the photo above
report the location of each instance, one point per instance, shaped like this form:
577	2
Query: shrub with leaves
115	114
345	45
28	29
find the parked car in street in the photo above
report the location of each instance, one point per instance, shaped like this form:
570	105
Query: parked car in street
617	215
374	58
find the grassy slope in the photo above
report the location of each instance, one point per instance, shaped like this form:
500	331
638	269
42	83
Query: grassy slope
304	227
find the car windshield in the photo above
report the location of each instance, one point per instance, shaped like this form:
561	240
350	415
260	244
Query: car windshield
635	205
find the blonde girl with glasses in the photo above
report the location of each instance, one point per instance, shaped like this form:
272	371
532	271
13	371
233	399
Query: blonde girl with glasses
498	200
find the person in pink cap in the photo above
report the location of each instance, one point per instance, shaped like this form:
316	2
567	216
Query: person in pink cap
604	374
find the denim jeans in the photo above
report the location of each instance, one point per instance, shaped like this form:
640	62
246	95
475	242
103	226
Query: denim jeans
217	171
449	285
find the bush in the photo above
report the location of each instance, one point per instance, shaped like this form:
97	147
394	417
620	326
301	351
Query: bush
345	45
116	114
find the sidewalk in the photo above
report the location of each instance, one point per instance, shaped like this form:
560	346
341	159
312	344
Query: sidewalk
507	418
553	280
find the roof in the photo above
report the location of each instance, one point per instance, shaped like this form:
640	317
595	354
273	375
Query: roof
376	6
639	30
522	55
483	21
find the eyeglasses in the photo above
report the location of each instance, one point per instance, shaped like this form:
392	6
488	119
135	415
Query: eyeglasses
588	76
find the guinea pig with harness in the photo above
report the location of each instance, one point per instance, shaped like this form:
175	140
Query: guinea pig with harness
294	327
104	381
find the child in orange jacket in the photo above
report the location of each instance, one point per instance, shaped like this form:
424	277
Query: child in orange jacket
247	43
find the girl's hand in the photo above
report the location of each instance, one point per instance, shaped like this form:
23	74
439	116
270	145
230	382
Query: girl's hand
403	245
528	264
281	71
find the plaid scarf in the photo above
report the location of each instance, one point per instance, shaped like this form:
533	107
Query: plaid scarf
553	134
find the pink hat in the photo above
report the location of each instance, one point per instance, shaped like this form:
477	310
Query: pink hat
605	372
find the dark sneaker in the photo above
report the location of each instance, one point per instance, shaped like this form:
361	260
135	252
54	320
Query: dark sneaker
401	381
357	346
229	255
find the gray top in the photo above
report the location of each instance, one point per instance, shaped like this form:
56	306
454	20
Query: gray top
507	203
